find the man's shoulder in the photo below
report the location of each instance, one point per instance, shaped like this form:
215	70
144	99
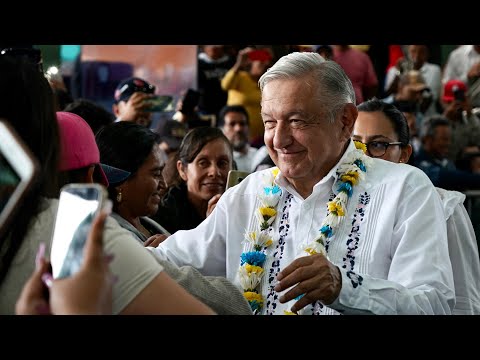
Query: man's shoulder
388	172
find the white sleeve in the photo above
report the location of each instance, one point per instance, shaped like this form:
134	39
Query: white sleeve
436	82
134	266
391	74
202	247
463	248
420	279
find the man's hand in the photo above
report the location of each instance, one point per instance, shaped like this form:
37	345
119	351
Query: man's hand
314	276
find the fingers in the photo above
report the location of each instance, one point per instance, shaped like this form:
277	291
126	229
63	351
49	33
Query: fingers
297	263
155	240
94	246
33	299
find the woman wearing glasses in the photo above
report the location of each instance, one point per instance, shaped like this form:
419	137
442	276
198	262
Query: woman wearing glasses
384	131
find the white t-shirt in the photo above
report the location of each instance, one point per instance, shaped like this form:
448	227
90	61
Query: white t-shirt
244	161
391	249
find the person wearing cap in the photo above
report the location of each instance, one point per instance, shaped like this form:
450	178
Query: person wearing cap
79	155
241	83
463	64
131	101
464	123
135	176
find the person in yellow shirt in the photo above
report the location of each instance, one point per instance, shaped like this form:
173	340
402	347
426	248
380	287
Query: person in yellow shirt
241	83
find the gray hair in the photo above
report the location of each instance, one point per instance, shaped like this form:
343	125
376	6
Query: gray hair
334	88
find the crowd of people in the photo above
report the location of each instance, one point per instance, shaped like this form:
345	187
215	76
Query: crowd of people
354	202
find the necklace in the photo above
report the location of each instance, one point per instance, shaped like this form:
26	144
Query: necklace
349	173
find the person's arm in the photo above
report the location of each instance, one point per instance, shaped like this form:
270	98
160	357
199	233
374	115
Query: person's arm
463	249
420	278
163	296
203	247
230	80
142	287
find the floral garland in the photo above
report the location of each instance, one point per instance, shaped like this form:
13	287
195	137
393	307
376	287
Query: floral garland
251	263
350	172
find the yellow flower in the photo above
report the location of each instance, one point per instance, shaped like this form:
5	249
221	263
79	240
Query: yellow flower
267	212
310	251
253	269
351	176
335	208
286	312
251	296
275	172
361	146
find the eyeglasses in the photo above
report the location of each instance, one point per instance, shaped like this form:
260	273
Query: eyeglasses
32	55
379	148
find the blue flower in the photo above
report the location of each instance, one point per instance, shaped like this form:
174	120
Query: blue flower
346	187
327	231
271	190
256	258
359	163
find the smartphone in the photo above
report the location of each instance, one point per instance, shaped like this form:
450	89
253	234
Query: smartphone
159	103
235	177
18	169
260	55
77	207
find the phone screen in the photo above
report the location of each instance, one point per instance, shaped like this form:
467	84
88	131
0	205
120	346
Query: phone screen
159	103
18	168
9	181
77	207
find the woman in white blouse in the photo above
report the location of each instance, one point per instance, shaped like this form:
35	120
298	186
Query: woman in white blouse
384	130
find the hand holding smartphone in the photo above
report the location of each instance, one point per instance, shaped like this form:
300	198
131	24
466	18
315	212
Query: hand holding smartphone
77	207
18	169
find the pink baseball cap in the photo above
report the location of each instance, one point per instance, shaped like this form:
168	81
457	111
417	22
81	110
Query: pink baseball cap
78	146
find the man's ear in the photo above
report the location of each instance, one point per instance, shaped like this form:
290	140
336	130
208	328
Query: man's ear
115	109
181	171
348	116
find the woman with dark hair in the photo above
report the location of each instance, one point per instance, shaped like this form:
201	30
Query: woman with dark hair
133	163
28	105
203	161
384	131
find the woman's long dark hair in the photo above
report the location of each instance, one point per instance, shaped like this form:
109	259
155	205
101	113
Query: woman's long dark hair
27	103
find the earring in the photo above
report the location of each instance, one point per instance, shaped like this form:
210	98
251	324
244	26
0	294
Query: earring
119	196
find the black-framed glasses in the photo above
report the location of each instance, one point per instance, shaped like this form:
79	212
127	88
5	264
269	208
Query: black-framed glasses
379	148
32	55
